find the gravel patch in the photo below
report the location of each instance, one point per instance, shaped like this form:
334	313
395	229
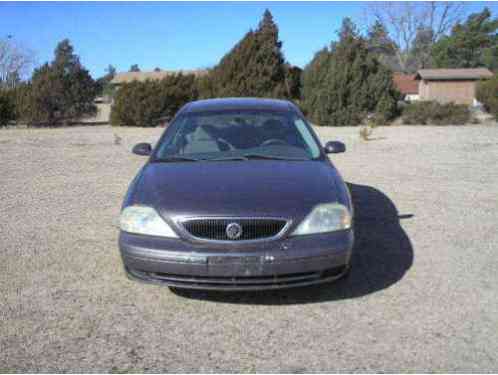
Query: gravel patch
423	294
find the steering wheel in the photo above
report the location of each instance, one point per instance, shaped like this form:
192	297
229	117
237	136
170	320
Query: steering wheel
274	141
225	143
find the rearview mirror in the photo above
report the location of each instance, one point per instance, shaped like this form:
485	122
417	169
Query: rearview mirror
335	147
143	149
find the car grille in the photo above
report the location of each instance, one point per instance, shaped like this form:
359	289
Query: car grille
239	282
252	228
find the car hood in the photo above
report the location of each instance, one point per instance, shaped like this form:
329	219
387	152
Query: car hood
237	188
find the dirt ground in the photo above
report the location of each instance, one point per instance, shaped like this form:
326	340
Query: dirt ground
423	294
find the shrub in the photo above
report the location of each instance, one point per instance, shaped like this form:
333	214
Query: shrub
434	113
487	94
385	110
450	114
205	85
346	81
22	101
417	113
143	103
7	109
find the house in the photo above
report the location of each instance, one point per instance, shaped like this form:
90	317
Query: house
450	85
406	85
127	77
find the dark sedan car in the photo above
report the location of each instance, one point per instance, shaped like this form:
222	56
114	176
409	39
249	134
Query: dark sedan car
238	194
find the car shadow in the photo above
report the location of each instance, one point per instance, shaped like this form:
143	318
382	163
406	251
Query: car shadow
382	255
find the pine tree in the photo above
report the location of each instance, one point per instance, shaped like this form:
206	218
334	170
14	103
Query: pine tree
345	82
255	66
471	44
134	68
61	91
7	107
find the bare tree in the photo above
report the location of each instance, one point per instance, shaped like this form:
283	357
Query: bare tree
15	62
410	23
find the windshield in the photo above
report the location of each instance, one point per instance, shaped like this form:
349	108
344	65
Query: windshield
238	135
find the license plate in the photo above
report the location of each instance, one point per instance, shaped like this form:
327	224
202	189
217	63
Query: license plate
221	260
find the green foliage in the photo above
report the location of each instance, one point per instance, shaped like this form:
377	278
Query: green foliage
7	109
487	94
385	110
254	67
471	44
293	81
103	86
434	113
21	95
345	82
60	92
206	86
379	42
143	103
134	68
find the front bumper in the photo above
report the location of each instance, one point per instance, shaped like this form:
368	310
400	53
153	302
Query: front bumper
283	263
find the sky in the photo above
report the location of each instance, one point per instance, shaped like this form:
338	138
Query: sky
172	35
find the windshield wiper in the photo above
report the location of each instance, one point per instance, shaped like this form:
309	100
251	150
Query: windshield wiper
271	157
175	158
228	158
248	156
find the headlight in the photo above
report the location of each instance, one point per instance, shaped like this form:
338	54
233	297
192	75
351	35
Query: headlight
144	220
328	217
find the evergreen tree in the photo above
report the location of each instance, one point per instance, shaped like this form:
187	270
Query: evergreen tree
345	82
293	81
382	46
471	44
379	41
206	86
7	109
61	91
134	68
255	66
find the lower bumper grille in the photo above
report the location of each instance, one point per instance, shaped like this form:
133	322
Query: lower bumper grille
240	283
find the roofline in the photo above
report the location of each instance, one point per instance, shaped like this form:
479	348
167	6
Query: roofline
485	74
418	78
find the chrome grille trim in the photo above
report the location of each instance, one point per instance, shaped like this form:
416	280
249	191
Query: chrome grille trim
183	221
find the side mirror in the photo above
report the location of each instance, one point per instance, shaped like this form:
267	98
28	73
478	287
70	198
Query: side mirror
334	147
143	149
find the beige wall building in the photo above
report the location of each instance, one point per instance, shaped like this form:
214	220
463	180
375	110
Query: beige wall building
450	85
127	77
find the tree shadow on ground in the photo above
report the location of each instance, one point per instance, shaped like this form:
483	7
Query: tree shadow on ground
382	254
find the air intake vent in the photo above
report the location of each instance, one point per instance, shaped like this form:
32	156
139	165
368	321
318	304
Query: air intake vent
231	229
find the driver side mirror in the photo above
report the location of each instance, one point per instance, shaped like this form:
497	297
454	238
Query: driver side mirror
334	147
143	149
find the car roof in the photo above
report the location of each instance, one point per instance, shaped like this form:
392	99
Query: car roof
222	104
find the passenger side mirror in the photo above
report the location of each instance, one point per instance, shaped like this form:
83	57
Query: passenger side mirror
143	149
335	147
